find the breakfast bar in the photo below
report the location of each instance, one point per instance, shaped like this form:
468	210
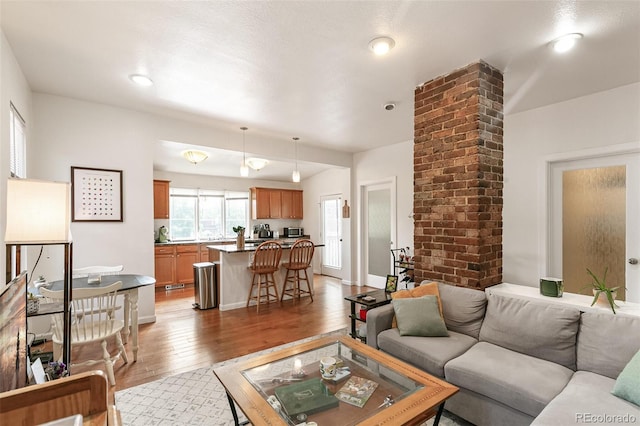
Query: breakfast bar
235	277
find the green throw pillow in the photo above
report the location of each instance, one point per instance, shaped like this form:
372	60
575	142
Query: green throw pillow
419	316
628	383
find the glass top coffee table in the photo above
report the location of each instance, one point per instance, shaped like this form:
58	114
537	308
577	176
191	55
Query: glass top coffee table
286	388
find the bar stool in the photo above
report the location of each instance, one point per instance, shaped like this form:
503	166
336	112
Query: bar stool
299	260
265	263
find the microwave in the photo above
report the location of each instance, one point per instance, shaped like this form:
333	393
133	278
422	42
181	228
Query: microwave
293	232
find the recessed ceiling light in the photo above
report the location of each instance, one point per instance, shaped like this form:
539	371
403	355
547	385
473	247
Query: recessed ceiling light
566	42
381	45
141	80
389	106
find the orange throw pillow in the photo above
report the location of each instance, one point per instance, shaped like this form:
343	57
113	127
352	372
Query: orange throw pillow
429	289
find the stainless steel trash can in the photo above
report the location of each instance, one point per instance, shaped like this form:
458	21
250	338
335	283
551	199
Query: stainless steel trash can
205	285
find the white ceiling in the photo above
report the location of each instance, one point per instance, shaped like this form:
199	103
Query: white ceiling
303	68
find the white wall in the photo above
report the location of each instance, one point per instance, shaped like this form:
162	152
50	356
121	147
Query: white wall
375	165
330	182
15	89
600	120
76	133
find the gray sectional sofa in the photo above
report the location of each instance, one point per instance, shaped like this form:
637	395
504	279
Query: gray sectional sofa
519	361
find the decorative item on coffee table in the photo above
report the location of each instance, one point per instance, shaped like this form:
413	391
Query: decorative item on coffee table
308	397
357	391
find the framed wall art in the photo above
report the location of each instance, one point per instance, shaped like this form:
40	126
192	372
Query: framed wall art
392	283
96	195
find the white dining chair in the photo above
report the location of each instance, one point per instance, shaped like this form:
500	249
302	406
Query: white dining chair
92	322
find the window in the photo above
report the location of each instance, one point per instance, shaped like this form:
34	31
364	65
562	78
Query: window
205	214
18	144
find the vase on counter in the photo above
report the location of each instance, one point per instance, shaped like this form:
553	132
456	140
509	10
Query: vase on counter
240	241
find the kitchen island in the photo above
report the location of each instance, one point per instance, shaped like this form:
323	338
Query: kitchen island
235	276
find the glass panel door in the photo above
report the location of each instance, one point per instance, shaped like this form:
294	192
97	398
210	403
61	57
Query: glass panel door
331	236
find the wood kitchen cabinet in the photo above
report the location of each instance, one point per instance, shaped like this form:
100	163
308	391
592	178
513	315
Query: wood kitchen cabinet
204	253
291	204
260	203
186	256
165	265
273	203
161	199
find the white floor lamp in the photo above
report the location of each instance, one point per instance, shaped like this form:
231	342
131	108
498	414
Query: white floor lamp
39	213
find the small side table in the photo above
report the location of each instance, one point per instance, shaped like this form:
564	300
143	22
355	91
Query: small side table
381	298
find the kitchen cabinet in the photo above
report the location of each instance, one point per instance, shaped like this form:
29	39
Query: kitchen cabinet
204	253
165	265
273	203
186	256
291	204
161	199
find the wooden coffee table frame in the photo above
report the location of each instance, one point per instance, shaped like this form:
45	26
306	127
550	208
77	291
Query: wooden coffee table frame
414	409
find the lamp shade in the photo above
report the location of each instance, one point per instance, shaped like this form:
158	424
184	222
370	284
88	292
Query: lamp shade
38	212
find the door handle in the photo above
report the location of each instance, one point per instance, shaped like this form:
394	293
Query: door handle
633	261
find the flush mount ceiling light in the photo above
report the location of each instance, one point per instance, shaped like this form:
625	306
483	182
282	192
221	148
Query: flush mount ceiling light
194	156
141	80
381	45
244	170
256	163
566	42
295	176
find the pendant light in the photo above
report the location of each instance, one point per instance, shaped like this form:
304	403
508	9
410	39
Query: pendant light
244	170
295	176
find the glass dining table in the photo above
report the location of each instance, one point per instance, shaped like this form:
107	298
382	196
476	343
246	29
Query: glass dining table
130	285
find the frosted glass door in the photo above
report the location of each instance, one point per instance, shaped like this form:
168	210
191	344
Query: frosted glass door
594	208
379	230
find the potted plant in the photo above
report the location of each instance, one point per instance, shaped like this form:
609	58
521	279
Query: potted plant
239	230
601	291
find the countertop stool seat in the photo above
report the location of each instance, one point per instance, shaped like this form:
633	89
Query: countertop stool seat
299	261
266	262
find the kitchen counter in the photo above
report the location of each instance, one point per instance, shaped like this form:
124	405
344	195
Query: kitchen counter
235	276
224	241
251	246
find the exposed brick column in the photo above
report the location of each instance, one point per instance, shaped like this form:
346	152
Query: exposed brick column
458	177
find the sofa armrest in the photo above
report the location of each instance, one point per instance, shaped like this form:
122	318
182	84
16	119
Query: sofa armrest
378	319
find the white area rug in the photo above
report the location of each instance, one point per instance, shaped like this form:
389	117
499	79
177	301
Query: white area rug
197	398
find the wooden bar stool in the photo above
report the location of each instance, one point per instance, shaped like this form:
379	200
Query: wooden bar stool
265	263
299	260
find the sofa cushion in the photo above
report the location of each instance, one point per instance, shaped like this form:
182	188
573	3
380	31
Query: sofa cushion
606	342
462	308
419	316
628	382
428	353
587	399
520	381
533	328
426	288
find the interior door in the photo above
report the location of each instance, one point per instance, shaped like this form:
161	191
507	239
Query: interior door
595	204
379	230
331	235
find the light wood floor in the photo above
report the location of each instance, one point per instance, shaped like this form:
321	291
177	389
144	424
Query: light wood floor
184	338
